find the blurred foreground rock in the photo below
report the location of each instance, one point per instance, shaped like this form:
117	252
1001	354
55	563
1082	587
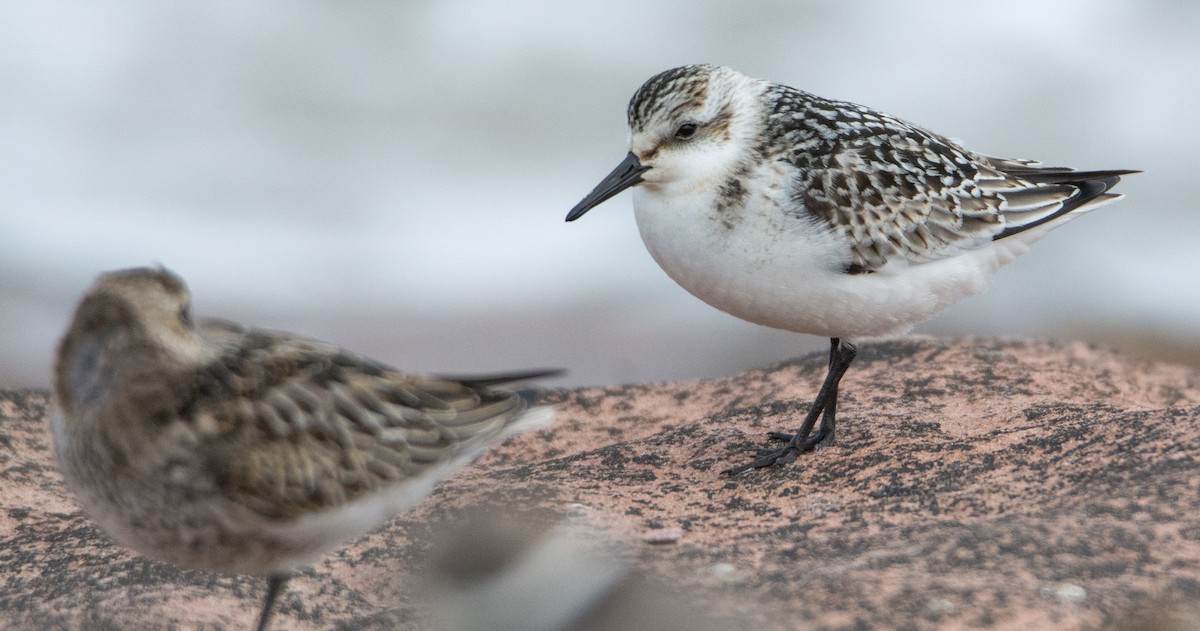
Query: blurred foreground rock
974	484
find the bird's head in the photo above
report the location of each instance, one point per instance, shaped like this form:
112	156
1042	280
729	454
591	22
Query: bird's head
689	127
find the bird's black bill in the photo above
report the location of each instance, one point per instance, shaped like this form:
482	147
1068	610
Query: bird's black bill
628	173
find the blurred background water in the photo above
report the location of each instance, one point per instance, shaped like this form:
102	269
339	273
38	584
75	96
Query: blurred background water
393	176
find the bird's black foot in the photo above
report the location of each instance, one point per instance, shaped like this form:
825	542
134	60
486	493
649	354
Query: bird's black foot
824	408
767	458
810	443
784	455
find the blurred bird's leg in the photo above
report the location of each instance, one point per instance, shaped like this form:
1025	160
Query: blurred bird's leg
274	586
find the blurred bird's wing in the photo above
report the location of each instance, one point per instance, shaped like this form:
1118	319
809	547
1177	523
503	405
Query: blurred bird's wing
296	426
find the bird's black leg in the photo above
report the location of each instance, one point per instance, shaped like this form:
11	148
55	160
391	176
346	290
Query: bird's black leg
825	433
841	354
274	587
830	408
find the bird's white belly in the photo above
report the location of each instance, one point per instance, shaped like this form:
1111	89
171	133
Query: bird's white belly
787	273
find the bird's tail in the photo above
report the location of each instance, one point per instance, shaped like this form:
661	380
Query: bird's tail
1039	194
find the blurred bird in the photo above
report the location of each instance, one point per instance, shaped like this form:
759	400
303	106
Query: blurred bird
213	446
500	571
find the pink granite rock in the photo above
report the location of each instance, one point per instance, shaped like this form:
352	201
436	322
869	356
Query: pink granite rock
974	484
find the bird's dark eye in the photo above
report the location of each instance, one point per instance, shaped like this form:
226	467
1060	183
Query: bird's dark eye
686	130
185	314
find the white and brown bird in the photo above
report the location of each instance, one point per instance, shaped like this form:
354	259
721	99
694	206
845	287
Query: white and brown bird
824	217
218	447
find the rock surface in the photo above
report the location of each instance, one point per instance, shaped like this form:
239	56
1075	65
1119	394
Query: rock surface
974	484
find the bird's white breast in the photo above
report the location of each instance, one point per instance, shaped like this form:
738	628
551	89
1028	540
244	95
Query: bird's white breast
786	270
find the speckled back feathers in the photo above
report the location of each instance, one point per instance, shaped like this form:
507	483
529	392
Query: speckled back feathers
892	190
307	427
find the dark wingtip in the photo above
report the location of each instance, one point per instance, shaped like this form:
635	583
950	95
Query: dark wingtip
1060	175
483	381
1092	185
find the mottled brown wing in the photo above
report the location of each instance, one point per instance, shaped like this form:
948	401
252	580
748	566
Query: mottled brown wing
904	195
295	426
916	196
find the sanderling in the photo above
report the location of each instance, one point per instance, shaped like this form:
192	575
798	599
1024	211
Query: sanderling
213	446
824	217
